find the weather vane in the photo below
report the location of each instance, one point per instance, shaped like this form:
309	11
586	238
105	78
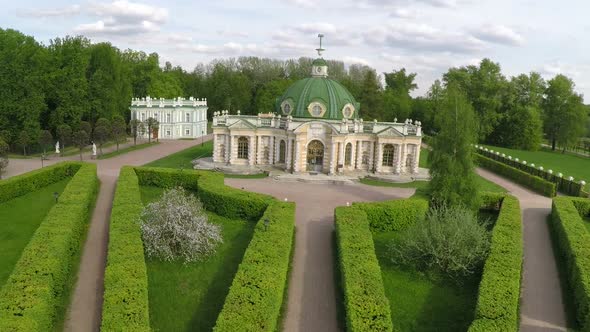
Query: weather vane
320	50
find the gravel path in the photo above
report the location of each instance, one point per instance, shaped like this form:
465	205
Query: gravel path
312	300
541	307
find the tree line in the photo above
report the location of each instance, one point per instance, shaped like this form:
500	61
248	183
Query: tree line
73	82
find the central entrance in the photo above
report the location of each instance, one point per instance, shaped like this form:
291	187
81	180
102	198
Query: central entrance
315	156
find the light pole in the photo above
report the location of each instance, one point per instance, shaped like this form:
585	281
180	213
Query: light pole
202	137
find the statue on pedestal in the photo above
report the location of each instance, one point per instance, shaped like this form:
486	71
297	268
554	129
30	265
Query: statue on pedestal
93	150
57	147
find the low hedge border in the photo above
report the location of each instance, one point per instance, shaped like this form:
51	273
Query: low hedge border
572	241
257	292
30	299
393	215
535	183
25	183
497	306
125	302
365	303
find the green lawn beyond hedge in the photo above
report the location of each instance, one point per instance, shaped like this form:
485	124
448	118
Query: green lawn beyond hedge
182	159
19	219
190	297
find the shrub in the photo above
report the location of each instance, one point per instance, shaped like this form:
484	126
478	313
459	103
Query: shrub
449	239
572	241
499	290
125	305
367	307
257	292
535	183
177	227
31	296
393	215
25	183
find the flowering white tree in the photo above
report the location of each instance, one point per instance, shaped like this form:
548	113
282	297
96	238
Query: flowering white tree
176	227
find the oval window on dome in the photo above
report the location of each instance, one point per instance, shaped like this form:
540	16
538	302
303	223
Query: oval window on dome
286	107
347	111
316	109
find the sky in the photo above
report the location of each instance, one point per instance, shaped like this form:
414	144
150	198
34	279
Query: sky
424	36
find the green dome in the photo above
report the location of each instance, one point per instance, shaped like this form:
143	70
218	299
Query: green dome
308	95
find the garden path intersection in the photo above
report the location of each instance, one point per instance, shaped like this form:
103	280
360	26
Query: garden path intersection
312	301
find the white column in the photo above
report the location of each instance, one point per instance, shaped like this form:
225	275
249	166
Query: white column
417	160
288	156
379	158
371	156
296	166
341	155
258	149
216	146
398	158
234	149
229	144
359	154
271	150
333	158
353	155
403	158
251	150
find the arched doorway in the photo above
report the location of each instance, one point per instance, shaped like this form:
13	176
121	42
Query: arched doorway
315	156
282	148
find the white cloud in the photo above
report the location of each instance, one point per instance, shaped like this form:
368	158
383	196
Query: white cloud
55	12
233	33
397	3
108	27
355	60
498	34
405	13
125	11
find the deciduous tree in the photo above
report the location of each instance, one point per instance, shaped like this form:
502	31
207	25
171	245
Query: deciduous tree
64	133
119	130
134	129
3	156
80	139
102	132
45	140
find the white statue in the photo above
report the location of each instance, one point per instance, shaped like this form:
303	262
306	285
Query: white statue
57	147
93	149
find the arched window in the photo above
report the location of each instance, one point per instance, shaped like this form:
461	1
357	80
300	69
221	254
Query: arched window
243	147
282	150
348	154
388	154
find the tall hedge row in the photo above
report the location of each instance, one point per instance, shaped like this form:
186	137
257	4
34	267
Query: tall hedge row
37	285
573	241
257	291
125	304
365	303
499	290
535	183
256	295
35	180
393	215
215	196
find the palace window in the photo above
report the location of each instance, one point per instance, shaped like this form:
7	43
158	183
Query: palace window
282	150
187	132
347	111
388	153
187	117
168	133
316	110
243	147
168	118
142	116
287	108
347	154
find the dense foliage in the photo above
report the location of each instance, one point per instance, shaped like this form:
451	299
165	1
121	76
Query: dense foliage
451	162
46	266
450	240
499	290
393	215
176	227
572	243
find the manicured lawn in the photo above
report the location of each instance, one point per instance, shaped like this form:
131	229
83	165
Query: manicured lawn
247	176
420	302
128	149
190	297
483	184
182	159
568	164
19	219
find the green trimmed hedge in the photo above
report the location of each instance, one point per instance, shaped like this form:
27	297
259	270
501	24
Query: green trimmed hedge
365	303
535	183
34	180
257	292
573	242
499	290
30	298
393	215
125	305
213	193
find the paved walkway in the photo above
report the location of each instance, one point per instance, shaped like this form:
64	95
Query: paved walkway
542	307
311	303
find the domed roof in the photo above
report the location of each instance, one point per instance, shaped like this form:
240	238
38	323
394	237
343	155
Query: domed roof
318	97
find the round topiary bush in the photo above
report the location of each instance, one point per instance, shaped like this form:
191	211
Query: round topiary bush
450	240
176	227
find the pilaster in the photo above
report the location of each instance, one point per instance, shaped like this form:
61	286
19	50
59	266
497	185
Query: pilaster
398	158
271	150
371	156
359	154
403	158
341	154
288	155
379	158
297	162
251	150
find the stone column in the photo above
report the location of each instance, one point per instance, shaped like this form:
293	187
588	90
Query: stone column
398	158
371	156
258	149
271	150
229	143
403	158
297	162
359	154
353	146
251	150
332	169
216	146
341	154
417	160
288	156
379	158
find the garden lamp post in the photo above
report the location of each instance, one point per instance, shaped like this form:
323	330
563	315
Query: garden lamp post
55	195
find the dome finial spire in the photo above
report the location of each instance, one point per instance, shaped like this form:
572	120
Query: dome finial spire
320	50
